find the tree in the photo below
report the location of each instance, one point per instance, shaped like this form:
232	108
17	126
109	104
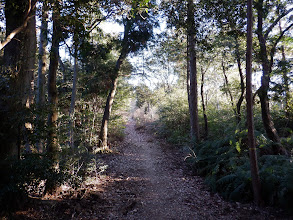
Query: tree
193	93
267	60
40	95
17	75
52	145
137	31
250	123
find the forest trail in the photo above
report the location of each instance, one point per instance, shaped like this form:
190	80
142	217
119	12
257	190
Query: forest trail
154	183
145	179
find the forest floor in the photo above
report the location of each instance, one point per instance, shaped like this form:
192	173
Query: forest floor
146	179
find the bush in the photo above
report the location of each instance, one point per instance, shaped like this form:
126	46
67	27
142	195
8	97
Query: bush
25	176
174	118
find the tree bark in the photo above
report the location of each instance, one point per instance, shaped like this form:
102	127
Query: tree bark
104	127
52	145
251	138
19	55
28	69
193	73
25	11
12	59
40	100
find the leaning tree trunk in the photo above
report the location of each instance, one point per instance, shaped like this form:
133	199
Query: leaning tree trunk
265	80
251	138
103	137
104	127
52	146
40	98
193	73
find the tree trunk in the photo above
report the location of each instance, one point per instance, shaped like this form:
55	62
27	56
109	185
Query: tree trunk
40	99
73	99
18	70
27	76
42	57
193	73
188	80
265	80
227	87
52	146
251	138
242	85
285	78
103	137
206	130
104	128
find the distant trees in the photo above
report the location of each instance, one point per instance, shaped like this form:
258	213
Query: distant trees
76	90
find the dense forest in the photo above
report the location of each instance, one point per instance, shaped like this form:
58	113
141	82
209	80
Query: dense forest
212	78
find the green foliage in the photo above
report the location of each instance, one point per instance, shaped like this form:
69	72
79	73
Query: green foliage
36	174
225	165
25	176
276	174
174	117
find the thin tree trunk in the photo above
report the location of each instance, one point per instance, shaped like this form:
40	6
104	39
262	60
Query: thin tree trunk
206	130
73	99
251	138
40	99
227	87
188	79
285	77
52	145
242	85
265	80
193	73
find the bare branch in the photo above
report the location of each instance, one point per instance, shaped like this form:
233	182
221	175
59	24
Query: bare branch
273	50
267	32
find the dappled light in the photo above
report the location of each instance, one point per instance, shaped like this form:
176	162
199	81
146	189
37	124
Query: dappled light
146	109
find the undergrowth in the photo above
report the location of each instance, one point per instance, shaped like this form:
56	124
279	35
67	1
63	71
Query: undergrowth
225	165
34	175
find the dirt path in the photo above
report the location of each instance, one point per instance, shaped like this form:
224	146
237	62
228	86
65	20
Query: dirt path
153	184
145	180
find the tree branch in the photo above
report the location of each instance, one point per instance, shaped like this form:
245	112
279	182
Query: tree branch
19	29
276	22
273	50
